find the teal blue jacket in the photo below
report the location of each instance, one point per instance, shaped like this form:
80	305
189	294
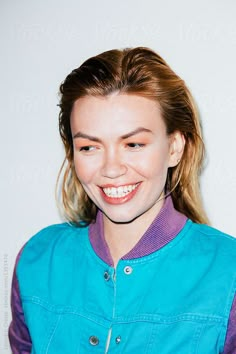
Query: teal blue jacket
175	300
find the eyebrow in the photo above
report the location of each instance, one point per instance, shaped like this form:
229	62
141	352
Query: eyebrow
125	136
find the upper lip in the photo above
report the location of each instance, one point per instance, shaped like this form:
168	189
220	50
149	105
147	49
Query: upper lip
118	185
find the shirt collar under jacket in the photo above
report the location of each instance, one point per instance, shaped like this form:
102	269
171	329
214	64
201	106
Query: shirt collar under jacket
168	223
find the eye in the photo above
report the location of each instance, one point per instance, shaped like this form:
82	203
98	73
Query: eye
135	146
87	148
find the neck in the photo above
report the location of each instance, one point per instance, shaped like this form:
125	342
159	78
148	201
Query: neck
122	237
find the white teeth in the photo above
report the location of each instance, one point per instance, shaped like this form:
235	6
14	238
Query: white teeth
119	192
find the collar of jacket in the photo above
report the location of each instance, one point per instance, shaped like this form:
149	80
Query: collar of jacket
167	224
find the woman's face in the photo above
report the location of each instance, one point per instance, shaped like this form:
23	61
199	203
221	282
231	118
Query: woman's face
122	154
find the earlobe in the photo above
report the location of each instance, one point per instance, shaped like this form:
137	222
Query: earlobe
177	144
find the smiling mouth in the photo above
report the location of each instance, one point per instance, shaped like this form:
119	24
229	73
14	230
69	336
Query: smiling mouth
119	192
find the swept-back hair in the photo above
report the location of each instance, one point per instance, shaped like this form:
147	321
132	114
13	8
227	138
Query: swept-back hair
137	71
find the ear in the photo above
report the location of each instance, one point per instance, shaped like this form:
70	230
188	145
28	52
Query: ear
176	149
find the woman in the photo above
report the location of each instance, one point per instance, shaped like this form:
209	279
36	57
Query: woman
136	269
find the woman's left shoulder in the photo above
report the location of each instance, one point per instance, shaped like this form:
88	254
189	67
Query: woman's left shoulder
213	235
212	231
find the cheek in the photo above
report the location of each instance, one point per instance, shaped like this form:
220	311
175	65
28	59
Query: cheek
86	169
82	171
153	165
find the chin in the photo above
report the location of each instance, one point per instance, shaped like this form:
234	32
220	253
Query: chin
121	219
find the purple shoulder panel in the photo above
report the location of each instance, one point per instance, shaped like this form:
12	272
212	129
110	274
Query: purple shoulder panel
18	332
230	343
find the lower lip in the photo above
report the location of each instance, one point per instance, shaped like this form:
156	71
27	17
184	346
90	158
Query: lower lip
120	200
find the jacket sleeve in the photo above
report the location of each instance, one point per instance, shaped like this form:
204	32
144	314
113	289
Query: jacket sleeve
230	343
19	337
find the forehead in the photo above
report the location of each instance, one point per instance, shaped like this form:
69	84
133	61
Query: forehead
116	110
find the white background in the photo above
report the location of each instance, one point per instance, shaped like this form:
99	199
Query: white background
42	41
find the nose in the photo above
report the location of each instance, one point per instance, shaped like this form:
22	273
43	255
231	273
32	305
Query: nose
113	165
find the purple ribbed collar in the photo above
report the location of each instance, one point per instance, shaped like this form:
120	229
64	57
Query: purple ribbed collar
168	223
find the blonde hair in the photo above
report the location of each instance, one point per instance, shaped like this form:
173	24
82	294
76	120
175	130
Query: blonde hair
143	72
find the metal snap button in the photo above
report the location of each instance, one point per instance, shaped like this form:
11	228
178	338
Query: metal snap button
106	276
118	340
128	270
93	340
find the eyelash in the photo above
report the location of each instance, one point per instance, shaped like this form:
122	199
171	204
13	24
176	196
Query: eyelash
135	146
87	148
90	148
